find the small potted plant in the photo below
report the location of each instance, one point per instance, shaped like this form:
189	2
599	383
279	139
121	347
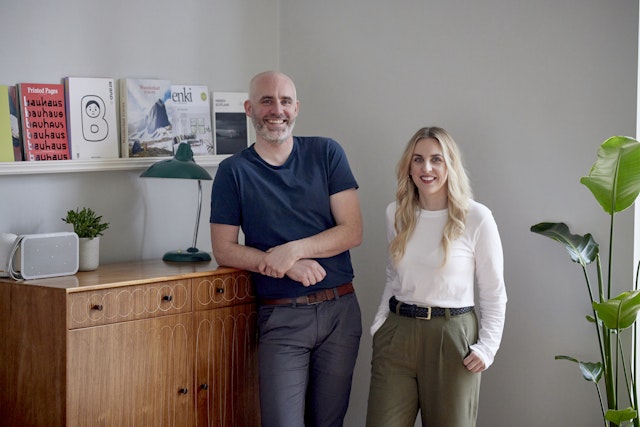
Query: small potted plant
89	227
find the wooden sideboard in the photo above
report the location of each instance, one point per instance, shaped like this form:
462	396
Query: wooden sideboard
148	343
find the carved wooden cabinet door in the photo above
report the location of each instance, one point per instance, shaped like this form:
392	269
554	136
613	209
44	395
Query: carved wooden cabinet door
226	352
131	372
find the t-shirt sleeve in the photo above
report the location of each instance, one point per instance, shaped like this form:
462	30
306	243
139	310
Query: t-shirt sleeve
341	178
225	203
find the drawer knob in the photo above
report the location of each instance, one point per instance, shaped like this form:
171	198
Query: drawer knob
204	386
167	298
183	391
97	307
220	290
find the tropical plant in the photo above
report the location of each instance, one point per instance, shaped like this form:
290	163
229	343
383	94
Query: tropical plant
614	180
86	223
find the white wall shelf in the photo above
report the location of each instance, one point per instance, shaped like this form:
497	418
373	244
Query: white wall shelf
103	165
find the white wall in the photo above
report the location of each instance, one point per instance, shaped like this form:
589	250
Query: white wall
219	43
529	89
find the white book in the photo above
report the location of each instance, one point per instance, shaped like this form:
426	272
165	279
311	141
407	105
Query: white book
92	117
232	127
189	111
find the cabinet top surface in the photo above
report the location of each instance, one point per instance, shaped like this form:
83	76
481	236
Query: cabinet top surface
129	273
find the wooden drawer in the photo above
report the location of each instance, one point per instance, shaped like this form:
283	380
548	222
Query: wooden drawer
222	290
101	307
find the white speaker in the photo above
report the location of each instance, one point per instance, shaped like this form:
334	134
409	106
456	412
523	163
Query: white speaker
46	255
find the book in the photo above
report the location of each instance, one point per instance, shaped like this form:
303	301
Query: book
6	137
92	117
189	110
10	141
231	123
144	124
44	121
16	132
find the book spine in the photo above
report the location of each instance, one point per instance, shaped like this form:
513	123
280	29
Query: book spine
6	142
16	124
124	135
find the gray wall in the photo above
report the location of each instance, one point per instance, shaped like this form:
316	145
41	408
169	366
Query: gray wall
529	89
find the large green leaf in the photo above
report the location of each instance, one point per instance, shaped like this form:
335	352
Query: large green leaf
619	312
621	415
614	178
582	249
591	371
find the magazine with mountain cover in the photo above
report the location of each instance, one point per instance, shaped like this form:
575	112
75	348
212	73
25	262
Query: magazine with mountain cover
144	123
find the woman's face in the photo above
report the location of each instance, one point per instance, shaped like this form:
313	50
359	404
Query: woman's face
429	174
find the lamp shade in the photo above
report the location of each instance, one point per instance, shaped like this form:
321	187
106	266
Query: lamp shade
181	165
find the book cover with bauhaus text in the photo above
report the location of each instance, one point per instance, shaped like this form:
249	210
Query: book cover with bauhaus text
44	121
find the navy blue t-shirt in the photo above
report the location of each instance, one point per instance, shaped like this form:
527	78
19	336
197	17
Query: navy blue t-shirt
277	204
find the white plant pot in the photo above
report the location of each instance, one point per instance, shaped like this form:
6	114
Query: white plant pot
88	253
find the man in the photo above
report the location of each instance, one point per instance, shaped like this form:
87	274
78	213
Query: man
295	199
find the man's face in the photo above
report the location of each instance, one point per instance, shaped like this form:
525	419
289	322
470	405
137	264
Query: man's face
273	108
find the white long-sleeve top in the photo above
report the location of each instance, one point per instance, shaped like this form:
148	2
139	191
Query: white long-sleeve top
475	259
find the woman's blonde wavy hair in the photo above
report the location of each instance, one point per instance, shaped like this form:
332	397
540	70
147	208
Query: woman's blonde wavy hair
408	199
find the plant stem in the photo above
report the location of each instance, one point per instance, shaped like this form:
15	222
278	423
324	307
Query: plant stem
601	404
606	349
610	257
625	370
634	355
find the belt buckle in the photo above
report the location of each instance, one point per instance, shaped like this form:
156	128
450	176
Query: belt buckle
314	300
428	316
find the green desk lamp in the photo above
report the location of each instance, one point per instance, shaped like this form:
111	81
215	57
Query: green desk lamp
182	166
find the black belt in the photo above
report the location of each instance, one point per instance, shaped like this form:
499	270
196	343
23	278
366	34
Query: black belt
411	310
315	298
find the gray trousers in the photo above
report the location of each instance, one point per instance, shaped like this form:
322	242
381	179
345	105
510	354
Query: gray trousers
306	356
417	366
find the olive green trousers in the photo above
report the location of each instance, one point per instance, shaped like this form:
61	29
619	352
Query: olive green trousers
417	367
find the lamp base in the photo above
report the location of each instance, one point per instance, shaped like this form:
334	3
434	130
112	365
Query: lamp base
190	255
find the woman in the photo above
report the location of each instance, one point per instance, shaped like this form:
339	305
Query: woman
429	347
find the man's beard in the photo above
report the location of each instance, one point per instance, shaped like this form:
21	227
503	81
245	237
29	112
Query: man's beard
276	137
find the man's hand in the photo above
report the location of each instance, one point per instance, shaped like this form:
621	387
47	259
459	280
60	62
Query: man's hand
278	260
307	271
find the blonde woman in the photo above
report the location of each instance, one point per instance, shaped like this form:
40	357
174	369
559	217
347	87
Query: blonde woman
431	339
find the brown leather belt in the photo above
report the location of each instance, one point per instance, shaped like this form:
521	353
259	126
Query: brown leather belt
315	298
